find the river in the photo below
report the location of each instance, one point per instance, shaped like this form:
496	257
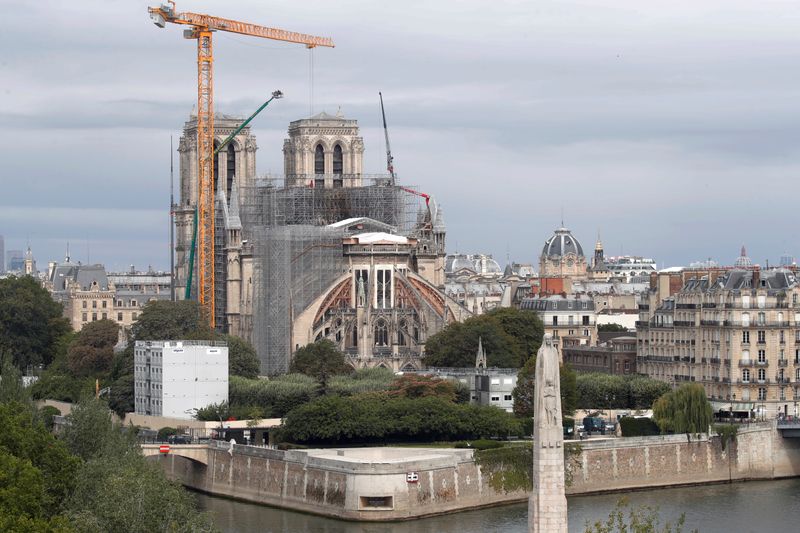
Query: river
752	507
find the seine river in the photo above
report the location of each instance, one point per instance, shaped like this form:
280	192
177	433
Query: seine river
757	507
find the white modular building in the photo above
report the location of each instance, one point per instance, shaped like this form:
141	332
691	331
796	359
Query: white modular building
175	378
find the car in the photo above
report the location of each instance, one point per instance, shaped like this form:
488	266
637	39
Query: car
594	424
179	439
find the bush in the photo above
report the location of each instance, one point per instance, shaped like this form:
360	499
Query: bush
379	418
47	413
608	391
166	432
684	410
638	427
361	381
276	396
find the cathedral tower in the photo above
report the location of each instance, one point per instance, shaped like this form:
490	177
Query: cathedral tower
323	151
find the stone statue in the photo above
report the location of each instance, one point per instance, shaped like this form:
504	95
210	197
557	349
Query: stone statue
547	508
360	293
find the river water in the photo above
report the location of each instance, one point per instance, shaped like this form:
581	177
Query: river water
752	507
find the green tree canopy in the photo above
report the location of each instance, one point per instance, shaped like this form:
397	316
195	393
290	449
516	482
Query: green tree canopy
31	322
320	360
684	410
92	352
508	335
525	390
611	327
165	320
242	358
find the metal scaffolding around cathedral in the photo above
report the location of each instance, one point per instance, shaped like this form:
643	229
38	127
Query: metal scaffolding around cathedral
324	251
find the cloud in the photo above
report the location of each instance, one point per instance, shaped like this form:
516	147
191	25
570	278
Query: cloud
670	128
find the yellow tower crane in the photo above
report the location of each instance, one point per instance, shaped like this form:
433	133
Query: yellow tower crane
201	28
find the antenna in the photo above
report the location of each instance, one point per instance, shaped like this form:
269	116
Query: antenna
171	225
389	158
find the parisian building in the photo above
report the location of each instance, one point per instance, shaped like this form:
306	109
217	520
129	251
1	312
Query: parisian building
570	319
734	330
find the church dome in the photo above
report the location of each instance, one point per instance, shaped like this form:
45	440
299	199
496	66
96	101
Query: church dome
562	243
743	261
485	264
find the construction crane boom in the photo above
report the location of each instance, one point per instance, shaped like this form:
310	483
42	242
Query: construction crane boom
389	158
202	27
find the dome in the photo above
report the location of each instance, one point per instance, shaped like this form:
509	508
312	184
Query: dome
456	262
484	264
562	243
743	261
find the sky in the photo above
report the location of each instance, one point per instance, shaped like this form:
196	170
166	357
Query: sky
669	128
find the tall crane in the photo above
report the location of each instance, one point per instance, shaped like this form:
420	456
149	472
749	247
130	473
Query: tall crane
201	28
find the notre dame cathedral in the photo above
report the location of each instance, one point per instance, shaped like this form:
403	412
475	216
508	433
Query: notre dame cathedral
323	251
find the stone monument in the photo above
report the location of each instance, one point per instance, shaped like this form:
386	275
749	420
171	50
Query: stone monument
547	508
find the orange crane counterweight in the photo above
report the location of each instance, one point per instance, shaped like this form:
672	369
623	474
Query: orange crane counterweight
202	27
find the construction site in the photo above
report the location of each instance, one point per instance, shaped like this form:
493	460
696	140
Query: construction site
322	251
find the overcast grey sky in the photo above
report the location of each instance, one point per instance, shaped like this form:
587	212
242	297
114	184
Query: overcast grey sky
669	126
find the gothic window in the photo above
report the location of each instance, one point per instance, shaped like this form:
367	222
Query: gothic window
319	160
231	169
384	289
381	333
337	159
401	337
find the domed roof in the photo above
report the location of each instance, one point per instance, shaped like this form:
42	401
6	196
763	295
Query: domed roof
484	264
743	261
562	243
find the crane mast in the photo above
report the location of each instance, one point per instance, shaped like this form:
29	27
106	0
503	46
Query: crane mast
202	27
389	158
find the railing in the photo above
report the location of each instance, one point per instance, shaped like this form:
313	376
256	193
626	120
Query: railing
746	363
783	362
683	323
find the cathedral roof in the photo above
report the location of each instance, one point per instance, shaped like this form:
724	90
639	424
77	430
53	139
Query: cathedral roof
325	116
562	243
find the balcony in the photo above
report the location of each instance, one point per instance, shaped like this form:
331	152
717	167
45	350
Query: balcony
644	324
762	363
683	324
783	362
782	380
746	363
710	323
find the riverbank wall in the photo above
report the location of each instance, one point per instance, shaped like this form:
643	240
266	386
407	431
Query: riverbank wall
380	484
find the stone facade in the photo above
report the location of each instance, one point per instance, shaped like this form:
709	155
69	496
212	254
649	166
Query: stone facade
615	356
735	331
571	320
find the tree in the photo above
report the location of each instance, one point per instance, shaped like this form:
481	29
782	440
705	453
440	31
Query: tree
121	397
242	358
320	360
88	426
525	390
611	327
643	519
165	320
508	335
684	410
417	386
31	322
92	352
11	388
25	437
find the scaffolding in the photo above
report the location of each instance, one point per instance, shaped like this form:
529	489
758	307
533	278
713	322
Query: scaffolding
296	255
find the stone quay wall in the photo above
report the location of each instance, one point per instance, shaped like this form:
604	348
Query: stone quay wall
372	483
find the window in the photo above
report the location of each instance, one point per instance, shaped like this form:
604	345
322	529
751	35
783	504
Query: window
94	304
337	159
745	303
105	304
745	376
762	375
105	316
83	316
762	336
231	167
762	356
745	320
94	317
133	303
762	393
119	317
495	398
319	160
745	337
507	397
586	333
797	374
555	320
381	333
134	315
781	337
585	320
120	303
84	304
762	319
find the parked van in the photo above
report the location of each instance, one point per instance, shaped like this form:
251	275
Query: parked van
594	424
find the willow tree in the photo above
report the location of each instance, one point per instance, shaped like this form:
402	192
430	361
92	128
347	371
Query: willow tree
684	410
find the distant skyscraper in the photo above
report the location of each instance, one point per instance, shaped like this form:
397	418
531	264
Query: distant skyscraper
786	259
2	254
15	260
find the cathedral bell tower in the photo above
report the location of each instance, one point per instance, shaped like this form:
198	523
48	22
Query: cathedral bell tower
323	151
